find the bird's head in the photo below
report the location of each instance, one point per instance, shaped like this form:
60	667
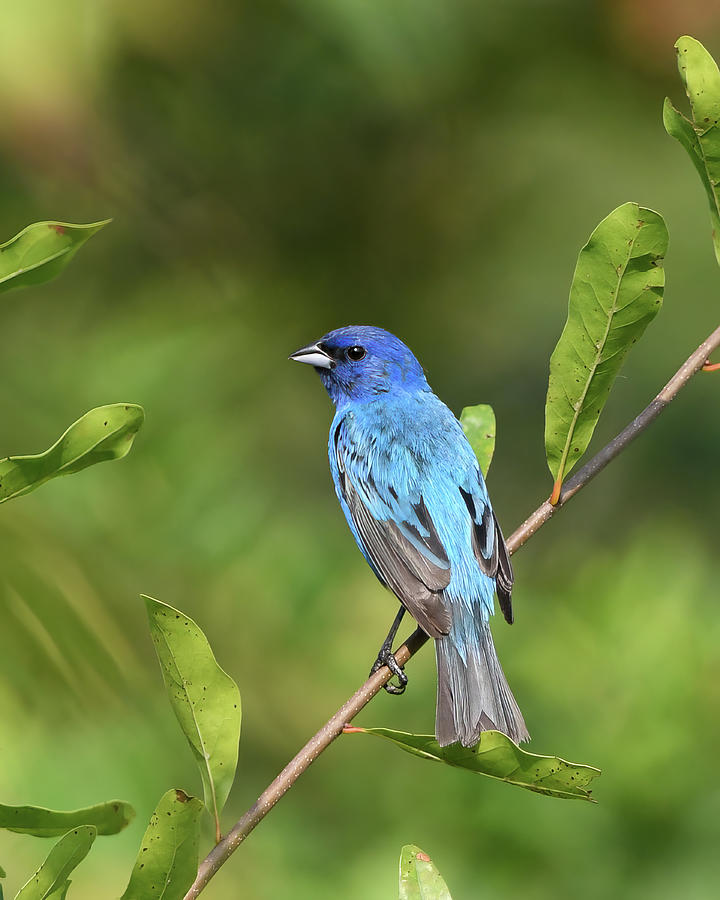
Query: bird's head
359	362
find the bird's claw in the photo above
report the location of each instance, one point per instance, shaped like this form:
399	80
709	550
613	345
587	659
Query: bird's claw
387	658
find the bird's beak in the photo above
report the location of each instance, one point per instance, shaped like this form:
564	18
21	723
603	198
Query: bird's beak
313	355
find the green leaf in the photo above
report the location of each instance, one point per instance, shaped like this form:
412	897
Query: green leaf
205	699
106	432
616	291
478	423
108	818
41	251
167	863
419	879
701	136
60	893
682	130
496	756
52	875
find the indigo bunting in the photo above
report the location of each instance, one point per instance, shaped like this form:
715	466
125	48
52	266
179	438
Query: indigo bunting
413	495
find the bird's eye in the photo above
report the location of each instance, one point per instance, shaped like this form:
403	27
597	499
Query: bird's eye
356	353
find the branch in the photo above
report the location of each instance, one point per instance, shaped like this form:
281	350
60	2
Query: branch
219	855
693	364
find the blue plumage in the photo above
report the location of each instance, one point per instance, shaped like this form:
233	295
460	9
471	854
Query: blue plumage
413	495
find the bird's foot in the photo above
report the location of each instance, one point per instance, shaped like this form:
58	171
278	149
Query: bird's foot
387	658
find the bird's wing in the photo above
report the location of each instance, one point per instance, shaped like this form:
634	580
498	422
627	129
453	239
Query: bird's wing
401	545
489	544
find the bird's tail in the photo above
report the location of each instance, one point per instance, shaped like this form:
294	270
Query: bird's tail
473	694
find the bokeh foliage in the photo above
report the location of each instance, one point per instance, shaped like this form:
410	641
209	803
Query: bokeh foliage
275	170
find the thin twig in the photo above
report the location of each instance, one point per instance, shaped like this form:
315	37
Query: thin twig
219	855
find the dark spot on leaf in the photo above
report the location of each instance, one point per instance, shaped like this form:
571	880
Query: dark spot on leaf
181	797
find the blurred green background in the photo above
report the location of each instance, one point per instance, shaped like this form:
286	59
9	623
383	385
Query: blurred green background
276	169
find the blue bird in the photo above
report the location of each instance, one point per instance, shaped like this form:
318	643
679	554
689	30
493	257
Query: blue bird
413	495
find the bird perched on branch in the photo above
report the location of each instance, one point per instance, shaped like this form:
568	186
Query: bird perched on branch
416	502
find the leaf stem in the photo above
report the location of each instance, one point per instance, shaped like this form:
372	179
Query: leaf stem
220	854
557	488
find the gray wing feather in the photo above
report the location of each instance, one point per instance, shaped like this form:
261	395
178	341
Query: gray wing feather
415	579
505	576
491	552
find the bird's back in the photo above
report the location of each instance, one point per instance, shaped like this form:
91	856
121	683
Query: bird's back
403	448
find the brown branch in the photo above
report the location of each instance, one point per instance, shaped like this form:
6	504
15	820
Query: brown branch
295	768
219	855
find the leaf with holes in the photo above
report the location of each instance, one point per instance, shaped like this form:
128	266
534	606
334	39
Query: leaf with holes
108	818
616	291
52	875
167	863
419	878
496	756
106	432
478	423
701	136
41	251
204	698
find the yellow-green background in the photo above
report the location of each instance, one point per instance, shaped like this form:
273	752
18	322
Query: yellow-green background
275	169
